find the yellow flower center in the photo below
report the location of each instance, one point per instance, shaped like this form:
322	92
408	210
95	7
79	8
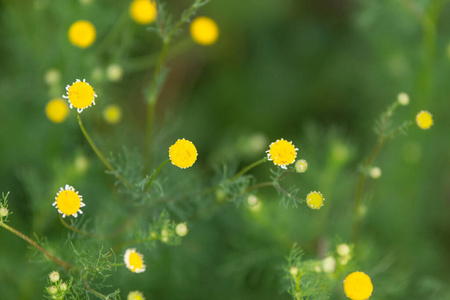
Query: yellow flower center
204	31
81	94
82	34
314	200
424	119
68	202
357	286
183	154
282	153
136	262
57	110
135	295
143	11
112	114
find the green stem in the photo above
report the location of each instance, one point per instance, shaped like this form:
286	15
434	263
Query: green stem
91	143
156	173
37	246
88	288
100	155
70	227
248	168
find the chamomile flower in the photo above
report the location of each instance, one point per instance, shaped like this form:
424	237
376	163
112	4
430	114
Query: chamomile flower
54	276
68	201
315	200
80	95
282	153
183	154
135	295
82	34
424	119
134	261
204	31
358	286
57	110
143	11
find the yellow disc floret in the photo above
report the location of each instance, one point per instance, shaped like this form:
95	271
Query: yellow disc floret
57	110
82	34
282	153
68	202
183	154
424	119
80	95
315	200
204	31
134	261
143	11
357	286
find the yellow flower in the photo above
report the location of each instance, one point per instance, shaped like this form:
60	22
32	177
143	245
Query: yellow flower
80	95
57	110
135	295
112	114
183	154
82	34
204	31
315	200
424	119
134	261
143	11
68	202
357	286
282	153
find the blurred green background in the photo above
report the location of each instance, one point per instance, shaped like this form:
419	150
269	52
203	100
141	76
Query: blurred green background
315	72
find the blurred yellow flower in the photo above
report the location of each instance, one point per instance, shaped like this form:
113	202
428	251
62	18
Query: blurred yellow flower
424	119
135	295
134	261
57	110
82	34
80	95
68	201
282	153
181	229
112	114
183	154
315	200
204	31
143	11
358	286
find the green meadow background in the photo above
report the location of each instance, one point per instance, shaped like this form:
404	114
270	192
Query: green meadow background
317	73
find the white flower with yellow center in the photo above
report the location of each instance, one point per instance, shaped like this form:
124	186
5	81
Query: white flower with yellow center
68	202
80	95
134	261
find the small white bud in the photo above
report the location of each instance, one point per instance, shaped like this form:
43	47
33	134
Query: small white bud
54	276
293	271
181	229
63	287
4	212
52	77
52	290
301	166
252	200
343	249
375	172
329	264
114	72
403	99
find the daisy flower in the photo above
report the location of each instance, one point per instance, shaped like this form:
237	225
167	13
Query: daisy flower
282	153
134	261
68	201
80	95
183	154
